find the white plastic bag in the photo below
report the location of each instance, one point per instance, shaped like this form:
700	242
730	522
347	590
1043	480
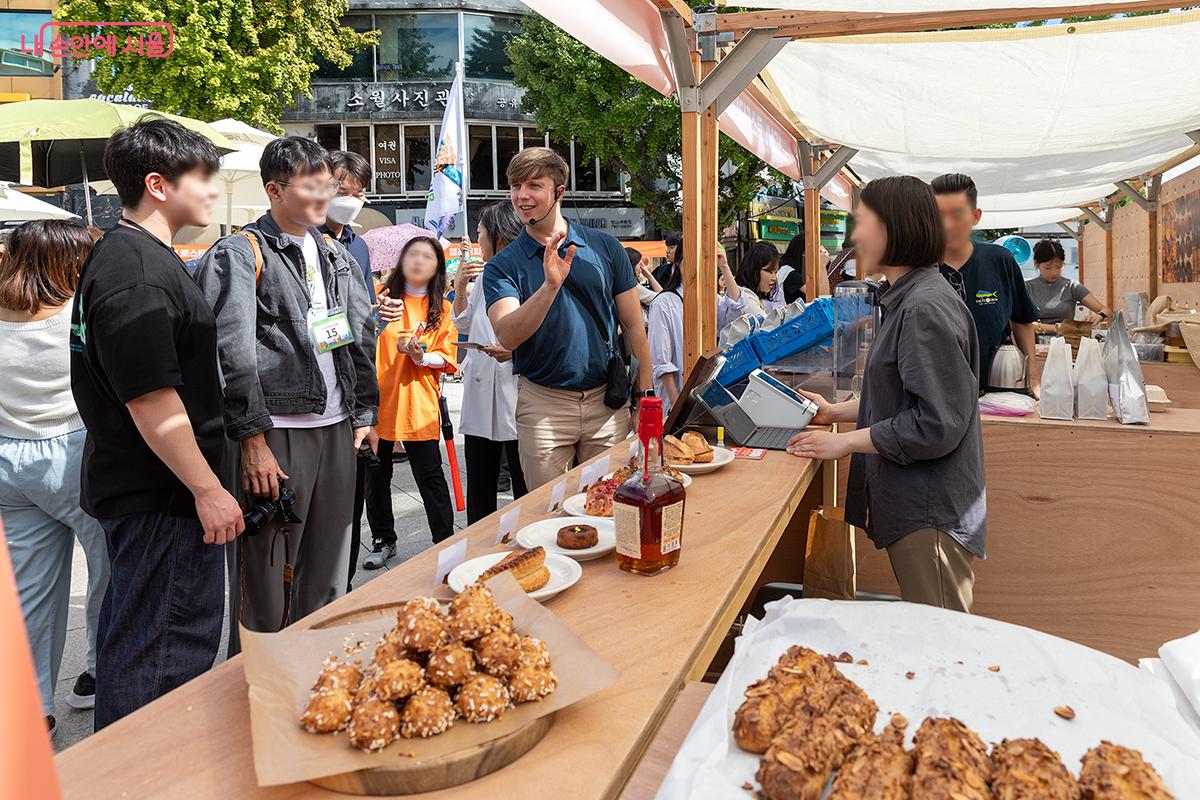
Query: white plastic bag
739	329
1007	404
1091	386
1058	392
1126	387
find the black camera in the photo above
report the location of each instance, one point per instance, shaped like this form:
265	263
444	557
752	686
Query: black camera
263	511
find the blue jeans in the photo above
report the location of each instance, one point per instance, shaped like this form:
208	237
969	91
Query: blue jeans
160	625
39	503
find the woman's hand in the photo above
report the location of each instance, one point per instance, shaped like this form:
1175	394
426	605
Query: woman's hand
411	348
390	310
497	352
826	414
819	445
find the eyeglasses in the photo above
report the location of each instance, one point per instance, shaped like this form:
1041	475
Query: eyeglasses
315	189
956	282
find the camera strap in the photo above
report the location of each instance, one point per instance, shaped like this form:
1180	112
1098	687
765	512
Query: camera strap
288	573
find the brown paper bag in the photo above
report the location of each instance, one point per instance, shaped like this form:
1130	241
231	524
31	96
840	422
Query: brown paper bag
829	556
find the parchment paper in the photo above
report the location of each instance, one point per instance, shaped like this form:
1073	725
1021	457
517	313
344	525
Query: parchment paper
1112	699
282	667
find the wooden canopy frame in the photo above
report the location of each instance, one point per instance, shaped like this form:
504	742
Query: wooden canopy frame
708	80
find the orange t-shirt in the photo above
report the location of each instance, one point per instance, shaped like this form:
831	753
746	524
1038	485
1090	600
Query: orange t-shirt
408	393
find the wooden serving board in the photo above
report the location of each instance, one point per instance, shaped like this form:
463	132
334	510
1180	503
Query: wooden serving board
410	776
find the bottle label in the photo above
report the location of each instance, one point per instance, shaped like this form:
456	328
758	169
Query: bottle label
628	520
672	527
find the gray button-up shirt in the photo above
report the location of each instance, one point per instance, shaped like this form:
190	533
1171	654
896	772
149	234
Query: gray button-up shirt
920	400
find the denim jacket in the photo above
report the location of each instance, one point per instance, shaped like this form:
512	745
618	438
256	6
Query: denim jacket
263	339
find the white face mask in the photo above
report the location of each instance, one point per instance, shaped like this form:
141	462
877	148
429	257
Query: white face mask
343	209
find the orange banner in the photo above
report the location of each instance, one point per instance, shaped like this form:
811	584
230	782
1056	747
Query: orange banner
189	251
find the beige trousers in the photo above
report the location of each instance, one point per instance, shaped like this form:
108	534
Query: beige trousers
932	568
557	427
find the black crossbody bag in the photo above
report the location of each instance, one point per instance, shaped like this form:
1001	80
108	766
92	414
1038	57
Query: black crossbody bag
616	390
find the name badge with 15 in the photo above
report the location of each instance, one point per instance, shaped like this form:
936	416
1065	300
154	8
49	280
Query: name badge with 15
331	330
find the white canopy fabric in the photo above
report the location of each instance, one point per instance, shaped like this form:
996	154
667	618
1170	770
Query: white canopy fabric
1042	118
629	33
17	206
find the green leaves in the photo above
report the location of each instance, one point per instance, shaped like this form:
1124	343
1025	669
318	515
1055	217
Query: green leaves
246	59
573	91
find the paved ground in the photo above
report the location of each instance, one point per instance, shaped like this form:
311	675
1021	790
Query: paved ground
411	530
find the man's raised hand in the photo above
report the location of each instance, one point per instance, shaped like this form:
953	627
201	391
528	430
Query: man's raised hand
556	267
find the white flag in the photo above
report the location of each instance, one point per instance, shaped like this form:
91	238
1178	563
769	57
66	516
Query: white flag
447	191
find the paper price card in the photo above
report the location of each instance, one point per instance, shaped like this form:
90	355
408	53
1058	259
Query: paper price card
557	494
449	558
508	525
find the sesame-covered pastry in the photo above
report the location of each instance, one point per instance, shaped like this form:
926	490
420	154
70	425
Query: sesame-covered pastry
398	679
482	698
338	676
450	665
1113	772
952	761
390	649
472	613
328	710
531	682
534	652
427	713
374	725
498	653
421	625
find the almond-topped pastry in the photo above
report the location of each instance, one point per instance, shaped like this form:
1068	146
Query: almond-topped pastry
427	713
1113	772
483	698
450	665
374	725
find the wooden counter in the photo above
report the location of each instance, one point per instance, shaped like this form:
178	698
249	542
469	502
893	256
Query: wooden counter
659	632
1092	531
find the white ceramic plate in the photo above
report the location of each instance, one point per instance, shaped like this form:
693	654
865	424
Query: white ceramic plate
721	457
573	507
564	572
545	533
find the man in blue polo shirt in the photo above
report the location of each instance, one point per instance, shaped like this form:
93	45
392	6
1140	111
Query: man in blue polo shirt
545	292
986	276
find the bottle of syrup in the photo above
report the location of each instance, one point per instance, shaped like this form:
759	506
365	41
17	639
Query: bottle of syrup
648	508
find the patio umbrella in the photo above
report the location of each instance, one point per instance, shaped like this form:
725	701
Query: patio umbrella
385	244
55	142
19	207
242	134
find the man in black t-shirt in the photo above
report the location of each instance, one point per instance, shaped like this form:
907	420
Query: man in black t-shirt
986	276
145	378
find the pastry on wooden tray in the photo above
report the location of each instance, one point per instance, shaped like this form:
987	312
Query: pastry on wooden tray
702	451
1026	769
676	452
527	566
815	741
878	768
952	761
1113	772
473	651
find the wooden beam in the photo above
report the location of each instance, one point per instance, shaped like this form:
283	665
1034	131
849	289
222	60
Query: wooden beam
1152	224
679	7
700	136
770	100
706	281
1081	239
798	24
812	228
1108	259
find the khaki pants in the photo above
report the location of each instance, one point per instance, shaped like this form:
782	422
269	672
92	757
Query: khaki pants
556	427
932	568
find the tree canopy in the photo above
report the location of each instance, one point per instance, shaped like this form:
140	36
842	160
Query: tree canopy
246	59
573	91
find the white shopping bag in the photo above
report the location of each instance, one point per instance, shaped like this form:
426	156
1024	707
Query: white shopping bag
1058	391
1126	387
1091	386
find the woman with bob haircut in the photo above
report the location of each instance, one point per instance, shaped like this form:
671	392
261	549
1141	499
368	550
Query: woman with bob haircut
916	473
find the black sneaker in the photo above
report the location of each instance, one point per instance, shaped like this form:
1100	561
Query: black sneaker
83	693
51	725
379	555
399	456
